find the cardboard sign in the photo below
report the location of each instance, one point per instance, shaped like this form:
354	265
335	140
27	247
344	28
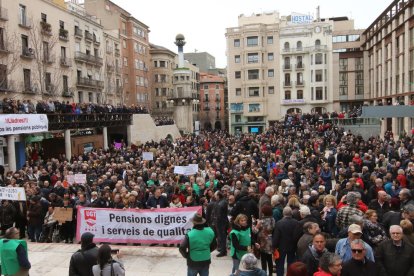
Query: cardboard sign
80	178
12	193
63	214
148	156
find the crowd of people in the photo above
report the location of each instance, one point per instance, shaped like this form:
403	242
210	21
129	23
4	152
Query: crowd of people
304	192
12	106
163	121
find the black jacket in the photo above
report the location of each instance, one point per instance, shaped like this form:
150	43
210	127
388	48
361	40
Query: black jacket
286	235
245	205
83	260
359	268
374	205
395	260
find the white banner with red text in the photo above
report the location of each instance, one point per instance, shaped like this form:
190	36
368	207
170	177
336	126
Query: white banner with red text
23	123
166	225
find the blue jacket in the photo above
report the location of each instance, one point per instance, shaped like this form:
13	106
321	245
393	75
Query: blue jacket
343	249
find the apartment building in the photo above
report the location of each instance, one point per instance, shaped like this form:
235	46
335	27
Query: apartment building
252	52
203	60
212	102
161	68
134	46
113	81
388	45
306	78
348	66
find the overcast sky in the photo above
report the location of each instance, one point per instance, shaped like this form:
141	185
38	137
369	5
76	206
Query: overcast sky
204	23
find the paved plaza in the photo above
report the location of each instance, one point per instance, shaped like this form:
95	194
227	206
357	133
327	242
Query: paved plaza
49	259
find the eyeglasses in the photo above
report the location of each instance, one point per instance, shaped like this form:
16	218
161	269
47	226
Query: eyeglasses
396	233
359	251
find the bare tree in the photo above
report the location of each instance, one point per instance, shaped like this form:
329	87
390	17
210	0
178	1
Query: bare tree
9	60
48	75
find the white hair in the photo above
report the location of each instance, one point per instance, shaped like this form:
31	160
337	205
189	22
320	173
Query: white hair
304	211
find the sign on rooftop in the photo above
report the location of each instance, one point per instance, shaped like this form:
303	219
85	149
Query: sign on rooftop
298	18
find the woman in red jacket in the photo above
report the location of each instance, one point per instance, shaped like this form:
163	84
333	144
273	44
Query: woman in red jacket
330	264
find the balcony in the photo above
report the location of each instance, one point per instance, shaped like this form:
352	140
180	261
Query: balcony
63	34
4	48
27	53
46	28
119	89
67	94
83	57
49	89
64	61
49	59
110	67
287	84
300	66
96	40
287	66
78	32
300	83
7	86
117	52
86	82
25	22
78	121
109	49
4	14
88	36
28	88
117	70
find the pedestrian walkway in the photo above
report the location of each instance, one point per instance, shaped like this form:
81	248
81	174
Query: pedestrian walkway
49	259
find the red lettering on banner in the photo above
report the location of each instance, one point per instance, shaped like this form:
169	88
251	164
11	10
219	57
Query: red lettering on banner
16	120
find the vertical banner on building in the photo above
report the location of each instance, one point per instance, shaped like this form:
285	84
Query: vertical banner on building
166	225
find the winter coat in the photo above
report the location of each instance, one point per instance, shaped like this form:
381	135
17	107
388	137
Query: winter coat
83	260
395	260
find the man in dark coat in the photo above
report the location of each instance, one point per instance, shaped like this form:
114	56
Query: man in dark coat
285	238
221	223
359	265
314	253
245	205
84	259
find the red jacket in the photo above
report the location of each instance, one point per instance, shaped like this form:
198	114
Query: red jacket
361	206
322	273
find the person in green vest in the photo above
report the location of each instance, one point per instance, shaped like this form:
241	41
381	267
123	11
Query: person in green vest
13	254
197	246
240	241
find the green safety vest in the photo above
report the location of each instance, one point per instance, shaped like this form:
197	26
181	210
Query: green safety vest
199	242
244	238
196	189
8	256
208	183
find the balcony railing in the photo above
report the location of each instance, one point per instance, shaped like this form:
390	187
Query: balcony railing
28	88
78	32
49	89
27	53
63	34
4	49
96	40
109	49
110	67
4	14
117	52
64	61
88	36
77	121
25	22
300	83
79	56
46	28
7	85
90	83
49	59
66	93
287	66
300	65
287	83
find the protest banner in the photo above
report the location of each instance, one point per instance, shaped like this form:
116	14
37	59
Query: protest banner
63	214
166	225
23	123
80	178
12	193
70	178
148	156
186	170
179	170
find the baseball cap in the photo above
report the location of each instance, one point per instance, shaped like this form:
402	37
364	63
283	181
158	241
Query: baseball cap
354	228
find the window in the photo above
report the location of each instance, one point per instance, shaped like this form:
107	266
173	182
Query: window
254	107
205	86
254	92
343	78
238	91
206	98
299	94
253	74
271	90
286	63
319	93
299	78
252	41
252	58
359	63
317	43
236	43
318	58
48	81
27	80
286	46
270	56
65	84
237	59
318	75
90	97
343	64
237	74
217	87
287	95
287	79
124	43
43	17
299	45
61	25
343	90
270	73
125	62
22	15
163	64
270	40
